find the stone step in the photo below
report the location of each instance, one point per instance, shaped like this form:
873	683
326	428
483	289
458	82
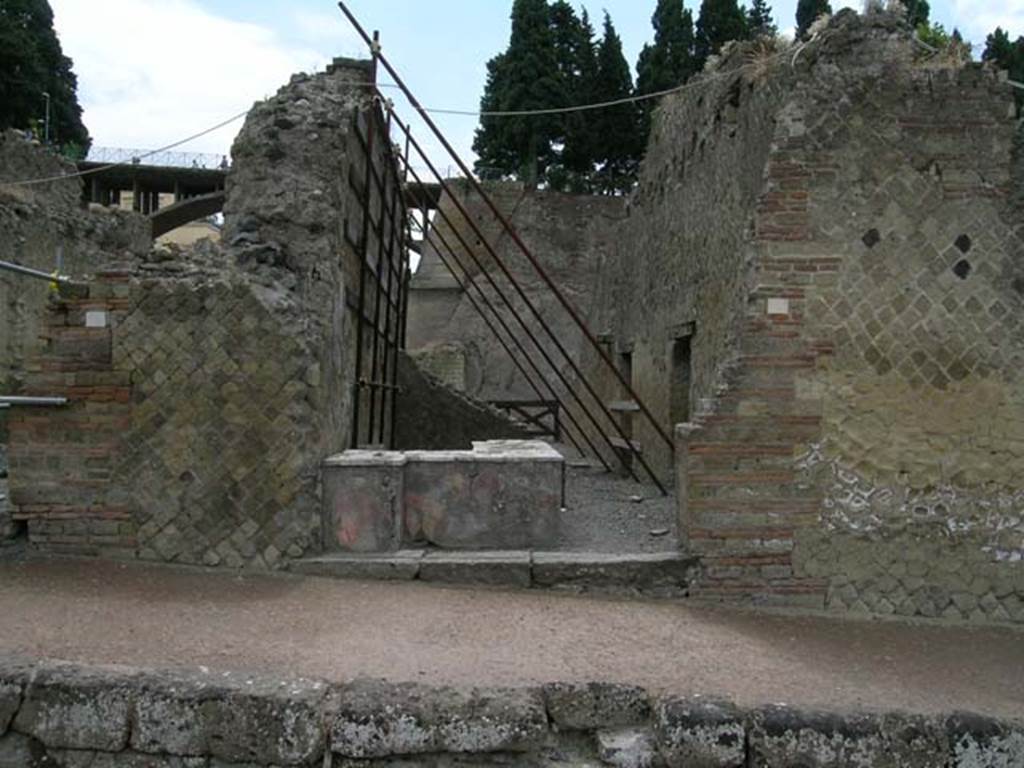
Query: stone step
666	573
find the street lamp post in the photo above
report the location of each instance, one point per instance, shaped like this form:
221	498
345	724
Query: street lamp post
46	122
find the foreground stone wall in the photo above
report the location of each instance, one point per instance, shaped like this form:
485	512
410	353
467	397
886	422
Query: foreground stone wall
854	437
72	716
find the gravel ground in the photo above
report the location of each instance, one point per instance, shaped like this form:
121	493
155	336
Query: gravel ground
164	617
608	513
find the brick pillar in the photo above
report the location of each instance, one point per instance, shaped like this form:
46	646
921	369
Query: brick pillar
62	459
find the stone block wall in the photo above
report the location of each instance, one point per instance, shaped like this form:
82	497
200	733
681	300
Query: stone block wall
73	715
855	444
233	364
193	429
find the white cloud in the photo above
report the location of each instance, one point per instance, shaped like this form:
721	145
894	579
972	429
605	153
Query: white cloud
976	22
151	72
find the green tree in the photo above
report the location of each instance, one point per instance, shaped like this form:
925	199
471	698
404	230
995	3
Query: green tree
1006	55
525	77
998	49
31	64
577	68
617	145
759	20
807	12
719	22
668	61
917	12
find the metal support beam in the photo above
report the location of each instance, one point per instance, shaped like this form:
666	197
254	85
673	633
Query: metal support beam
29	272
8	402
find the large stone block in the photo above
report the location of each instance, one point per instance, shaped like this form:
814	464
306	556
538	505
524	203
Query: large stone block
783	736
700	733
266	722
363	497
167	714
374	719
500	495
590	706
980	742
78	708
14	677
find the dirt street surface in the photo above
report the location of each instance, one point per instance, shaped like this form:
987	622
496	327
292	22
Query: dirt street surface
160	617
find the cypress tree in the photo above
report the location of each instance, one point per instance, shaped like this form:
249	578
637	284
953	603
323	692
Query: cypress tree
719	22
1008	56
759	20
669	61
616	129
807	12
525	77
577	66
31	64
918	12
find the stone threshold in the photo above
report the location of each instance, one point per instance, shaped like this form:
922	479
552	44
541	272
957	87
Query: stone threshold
662	574
61	714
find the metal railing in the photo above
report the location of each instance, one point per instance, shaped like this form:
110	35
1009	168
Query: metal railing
202	160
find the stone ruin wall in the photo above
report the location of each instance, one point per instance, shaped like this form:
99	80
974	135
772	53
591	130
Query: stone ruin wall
202	411
569	234
842	227
72	715
38	221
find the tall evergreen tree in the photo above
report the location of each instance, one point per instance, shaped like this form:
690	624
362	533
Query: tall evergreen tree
31	64
668	61
719	22
759	20
998	49
807	12
524	77
918	12
577	65
1007	55
616	129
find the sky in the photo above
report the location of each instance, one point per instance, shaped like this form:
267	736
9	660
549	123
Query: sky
152	72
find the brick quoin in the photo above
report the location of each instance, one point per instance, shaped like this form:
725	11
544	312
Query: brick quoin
63	458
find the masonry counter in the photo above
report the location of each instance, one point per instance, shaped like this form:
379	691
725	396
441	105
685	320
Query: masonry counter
502	494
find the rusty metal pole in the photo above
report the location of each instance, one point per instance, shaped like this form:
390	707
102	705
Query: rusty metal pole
511	232
490	325
526	328
364	248
543	324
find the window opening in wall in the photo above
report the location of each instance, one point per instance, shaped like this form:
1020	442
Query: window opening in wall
681	372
